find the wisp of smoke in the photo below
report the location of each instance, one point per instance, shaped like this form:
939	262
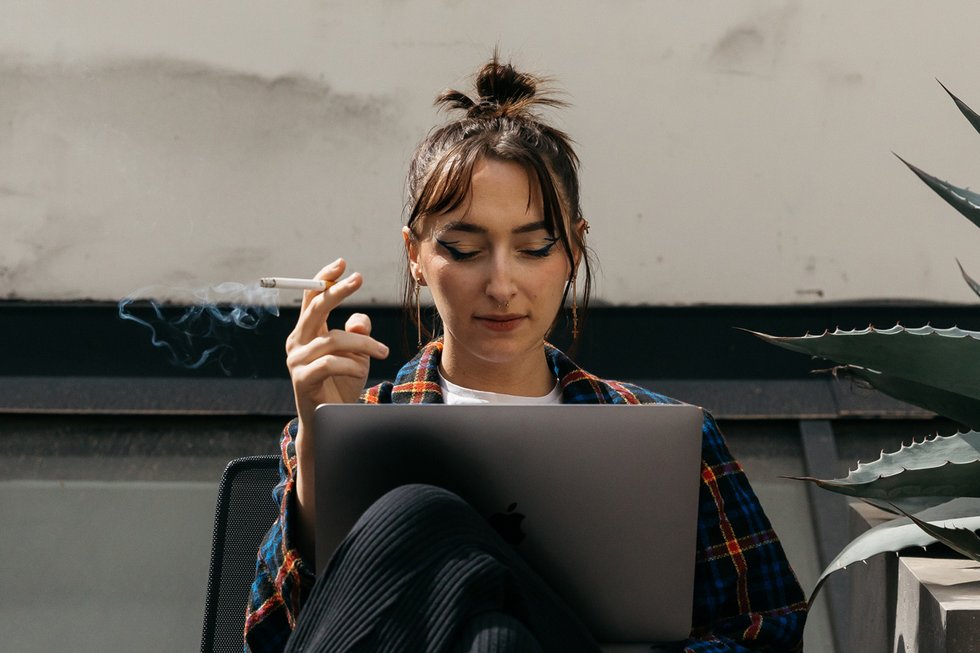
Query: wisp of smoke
204	326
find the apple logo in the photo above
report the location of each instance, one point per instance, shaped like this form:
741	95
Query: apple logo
508	525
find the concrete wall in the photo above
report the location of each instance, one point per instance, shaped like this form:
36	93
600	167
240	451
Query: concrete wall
733	151
105	566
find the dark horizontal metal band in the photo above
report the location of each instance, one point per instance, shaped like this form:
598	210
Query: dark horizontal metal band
693	342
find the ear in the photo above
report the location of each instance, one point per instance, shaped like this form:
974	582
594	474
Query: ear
582	228
412	250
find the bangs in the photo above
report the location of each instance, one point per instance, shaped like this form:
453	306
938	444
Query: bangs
448	185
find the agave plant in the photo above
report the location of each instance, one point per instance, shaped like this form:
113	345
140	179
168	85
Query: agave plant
933	484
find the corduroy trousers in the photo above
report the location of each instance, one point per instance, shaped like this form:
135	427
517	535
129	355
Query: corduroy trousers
422	571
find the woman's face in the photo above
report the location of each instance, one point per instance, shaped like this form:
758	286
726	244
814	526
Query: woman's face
497	277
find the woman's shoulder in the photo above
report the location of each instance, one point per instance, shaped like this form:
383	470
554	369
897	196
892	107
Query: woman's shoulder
581	386
631	393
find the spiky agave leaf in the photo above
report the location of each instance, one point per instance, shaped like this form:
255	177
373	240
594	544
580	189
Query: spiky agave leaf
938	467
961	540
974	286
905	505
965	201
969	113
960	408
945	359
898	534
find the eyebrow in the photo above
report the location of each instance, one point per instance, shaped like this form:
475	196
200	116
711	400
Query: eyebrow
470	228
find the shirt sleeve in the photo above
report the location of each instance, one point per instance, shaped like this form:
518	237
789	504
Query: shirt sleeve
746	597
283	580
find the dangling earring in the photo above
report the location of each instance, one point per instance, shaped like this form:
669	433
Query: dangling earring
575	333
418	311
575	305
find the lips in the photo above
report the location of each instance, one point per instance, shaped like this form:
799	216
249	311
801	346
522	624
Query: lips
504	322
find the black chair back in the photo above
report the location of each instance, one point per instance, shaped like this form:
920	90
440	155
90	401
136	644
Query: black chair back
244	513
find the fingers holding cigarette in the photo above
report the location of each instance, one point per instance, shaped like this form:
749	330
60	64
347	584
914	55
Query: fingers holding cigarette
329	365
329	275
317	305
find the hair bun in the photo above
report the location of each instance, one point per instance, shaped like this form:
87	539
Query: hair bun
501	85
502	92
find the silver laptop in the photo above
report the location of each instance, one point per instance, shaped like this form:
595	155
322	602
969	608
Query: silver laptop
606	497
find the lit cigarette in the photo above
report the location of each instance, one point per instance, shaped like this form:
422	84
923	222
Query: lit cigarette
286	283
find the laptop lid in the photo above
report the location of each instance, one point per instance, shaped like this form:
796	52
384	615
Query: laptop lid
606	496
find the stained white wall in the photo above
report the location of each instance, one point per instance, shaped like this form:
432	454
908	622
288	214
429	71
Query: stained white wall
734	151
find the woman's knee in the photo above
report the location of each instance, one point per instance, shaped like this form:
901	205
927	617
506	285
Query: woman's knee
422	506
410	527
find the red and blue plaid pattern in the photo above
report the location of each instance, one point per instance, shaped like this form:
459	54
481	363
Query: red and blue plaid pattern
746	597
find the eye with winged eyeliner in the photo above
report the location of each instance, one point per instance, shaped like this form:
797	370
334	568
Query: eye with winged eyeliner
542	251
455	253
459	255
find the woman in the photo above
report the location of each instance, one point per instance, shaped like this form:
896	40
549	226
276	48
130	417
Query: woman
496	233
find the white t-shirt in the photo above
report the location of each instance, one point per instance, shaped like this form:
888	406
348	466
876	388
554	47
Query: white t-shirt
457	394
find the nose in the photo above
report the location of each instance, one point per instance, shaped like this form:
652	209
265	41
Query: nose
500	284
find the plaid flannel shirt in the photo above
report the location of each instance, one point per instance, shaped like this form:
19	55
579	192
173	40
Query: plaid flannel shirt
746	597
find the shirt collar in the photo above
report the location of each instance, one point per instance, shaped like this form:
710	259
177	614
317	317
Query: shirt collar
418	381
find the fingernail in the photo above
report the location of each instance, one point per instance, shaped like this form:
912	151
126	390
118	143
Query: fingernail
382	350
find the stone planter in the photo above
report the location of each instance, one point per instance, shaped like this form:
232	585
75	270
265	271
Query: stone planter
911	604
938	606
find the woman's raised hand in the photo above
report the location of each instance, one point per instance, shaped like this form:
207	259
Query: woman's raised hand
329	365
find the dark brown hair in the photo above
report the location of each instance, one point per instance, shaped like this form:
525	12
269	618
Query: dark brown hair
500	123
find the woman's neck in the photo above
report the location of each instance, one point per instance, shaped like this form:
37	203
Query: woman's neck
527	375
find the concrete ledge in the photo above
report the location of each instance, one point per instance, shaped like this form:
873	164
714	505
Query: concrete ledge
743	399
145	396
938	606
